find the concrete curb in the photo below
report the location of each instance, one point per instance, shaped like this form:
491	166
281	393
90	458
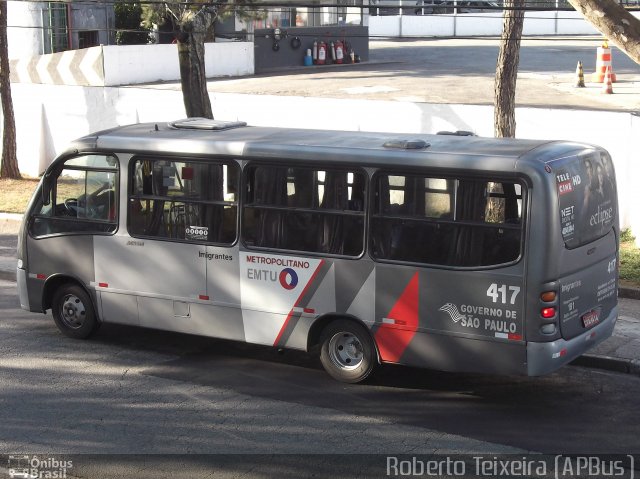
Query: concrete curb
607	363
628	293
315	69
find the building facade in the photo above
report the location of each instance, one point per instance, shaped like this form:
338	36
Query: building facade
38	28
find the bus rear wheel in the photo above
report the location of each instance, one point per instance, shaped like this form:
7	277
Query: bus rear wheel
73	312
347	352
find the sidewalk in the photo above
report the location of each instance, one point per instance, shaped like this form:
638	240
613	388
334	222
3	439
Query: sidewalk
620	353
9	224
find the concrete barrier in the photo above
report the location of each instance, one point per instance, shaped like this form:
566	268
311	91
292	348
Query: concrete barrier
133	64
128	64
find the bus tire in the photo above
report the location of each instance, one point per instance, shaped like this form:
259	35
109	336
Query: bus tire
347	351
73	312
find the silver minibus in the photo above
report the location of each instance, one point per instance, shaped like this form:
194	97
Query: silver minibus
450	252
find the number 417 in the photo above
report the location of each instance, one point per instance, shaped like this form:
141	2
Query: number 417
501	293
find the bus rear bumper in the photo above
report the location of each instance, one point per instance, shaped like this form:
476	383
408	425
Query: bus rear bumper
544	358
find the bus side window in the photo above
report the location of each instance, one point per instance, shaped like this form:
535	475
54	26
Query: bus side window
451	222
86	195
184	200
83	198
304	209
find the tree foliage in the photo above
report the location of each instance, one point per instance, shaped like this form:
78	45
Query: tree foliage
9	160
129	30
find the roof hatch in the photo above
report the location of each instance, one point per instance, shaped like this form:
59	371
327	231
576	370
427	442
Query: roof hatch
457	133
407	144
206	124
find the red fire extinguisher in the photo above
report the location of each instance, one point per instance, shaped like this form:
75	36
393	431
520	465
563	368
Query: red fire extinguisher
322	53
339	51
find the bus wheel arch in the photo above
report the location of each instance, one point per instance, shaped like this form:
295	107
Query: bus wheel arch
72	307
347	349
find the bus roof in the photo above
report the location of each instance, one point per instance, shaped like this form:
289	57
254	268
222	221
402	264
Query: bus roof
235	139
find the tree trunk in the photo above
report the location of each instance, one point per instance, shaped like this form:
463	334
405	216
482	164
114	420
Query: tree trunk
616	23
9	159
507	70
191	60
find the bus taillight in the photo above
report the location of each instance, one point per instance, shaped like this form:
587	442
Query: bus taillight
548	313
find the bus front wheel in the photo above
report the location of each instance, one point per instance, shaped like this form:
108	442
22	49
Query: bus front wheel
73	312
347	352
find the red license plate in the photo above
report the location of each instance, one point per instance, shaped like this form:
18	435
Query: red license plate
590	319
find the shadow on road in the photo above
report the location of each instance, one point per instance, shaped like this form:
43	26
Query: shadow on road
569	411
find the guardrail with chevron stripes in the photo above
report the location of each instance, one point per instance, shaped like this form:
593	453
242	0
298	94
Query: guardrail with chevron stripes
113	65
83	67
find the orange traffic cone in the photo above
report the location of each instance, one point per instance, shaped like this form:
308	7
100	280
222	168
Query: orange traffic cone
607	86
603	61
579	76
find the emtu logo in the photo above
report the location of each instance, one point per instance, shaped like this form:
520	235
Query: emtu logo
288	278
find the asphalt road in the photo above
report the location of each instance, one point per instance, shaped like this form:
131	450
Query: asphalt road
459	71
479	55
134	391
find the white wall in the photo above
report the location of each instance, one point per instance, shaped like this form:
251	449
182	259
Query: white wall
48	117
631	172
572	23
422	26
540	23
132	64
229	59
478	24
385	26
482	24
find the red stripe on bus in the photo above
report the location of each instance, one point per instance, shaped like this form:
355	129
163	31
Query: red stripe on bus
392	341
203	297
103	285
515	337
41	276
304	291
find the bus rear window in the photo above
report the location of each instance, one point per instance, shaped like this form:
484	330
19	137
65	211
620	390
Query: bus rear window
586	197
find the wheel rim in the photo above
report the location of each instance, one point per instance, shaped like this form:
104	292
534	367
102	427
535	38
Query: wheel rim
346	350
72	311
